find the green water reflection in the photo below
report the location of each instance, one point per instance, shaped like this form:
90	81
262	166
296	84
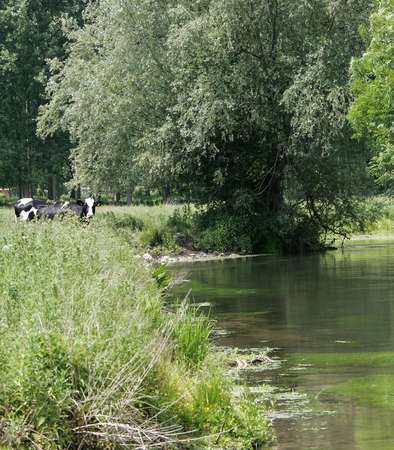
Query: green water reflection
331	316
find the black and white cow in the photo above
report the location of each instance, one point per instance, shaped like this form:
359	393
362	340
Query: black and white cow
27	208
84	209
50	211
80	209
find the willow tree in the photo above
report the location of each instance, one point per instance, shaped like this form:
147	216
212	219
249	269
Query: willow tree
111	90
236	104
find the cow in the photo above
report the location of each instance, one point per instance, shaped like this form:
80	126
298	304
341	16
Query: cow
80	209
84	209
50	211
27	208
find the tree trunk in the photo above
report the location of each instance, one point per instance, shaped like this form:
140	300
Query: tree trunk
54	188
50	188
20	187
129	194
166	193
275	191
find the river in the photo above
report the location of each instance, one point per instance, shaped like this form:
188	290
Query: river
329	319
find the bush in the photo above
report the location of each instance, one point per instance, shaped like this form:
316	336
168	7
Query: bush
222	230
122	221
158	236
295	235
225	237
6	201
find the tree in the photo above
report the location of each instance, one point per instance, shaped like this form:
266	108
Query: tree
30	32
260	122
372	112
111	90
237	104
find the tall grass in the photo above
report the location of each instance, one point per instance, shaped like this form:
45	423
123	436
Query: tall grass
144	227
91	358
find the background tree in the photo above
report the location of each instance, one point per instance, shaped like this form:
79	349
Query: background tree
372	112
111	90
30	32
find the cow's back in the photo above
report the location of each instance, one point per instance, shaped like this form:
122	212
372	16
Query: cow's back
27	208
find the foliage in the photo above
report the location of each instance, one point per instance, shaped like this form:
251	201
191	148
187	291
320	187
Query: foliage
146	227
158	236
371	114
236	103
192	332
113	58
89	356
119	221
378	217
30	34
162	277
223	232
6	201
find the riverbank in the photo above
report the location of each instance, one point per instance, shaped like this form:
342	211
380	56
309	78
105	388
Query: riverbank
167	233
91	355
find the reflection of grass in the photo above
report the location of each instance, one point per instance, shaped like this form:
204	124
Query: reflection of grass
371	359
375	390
221	292
237	314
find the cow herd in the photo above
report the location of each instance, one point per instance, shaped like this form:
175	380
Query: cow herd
27	209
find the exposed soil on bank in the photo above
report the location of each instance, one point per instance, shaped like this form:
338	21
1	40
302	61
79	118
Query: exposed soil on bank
194	256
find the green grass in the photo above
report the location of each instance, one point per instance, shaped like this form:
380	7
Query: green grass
90	356
381	216
158	229
155	214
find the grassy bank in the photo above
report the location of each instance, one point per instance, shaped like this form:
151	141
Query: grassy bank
173	229
384	219
91	357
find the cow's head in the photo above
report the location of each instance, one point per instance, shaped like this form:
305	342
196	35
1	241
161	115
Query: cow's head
89	207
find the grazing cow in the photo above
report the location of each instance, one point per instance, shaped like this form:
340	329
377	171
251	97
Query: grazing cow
50	211
80	209
27	208
84	209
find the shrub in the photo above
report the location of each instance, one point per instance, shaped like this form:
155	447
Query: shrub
183	225
6	201
121	221
290	235
223	231
158	236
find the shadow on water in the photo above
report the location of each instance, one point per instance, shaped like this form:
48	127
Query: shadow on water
331	318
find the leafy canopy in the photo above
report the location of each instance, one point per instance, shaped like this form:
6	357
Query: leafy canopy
372	112
237	104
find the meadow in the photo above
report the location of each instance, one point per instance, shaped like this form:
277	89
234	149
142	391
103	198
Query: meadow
95	355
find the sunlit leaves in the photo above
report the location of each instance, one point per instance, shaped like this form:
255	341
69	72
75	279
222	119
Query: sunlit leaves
372	113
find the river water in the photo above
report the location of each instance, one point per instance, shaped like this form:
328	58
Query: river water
330	320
